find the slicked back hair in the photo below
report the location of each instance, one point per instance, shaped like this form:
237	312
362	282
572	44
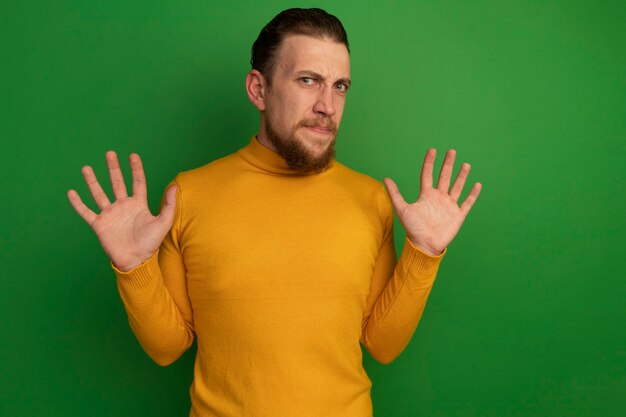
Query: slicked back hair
312	22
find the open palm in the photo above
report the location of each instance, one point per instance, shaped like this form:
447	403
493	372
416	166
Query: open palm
433	221
127	231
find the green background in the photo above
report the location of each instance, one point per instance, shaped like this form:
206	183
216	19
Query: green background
527	317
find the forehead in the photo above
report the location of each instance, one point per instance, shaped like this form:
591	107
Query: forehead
324	56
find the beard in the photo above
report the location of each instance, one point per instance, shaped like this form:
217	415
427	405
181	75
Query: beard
297	156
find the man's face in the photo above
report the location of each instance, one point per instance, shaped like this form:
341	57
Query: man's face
304	104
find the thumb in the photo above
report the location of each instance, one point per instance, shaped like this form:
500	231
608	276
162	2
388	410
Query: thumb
166	216
396	198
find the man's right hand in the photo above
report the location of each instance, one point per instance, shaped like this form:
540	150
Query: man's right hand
128	232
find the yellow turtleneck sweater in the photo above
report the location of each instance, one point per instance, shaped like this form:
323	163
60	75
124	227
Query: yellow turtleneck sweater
280	276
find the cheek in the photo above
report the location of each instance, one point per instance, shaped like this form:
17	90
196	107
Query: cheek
304	105
296	111
284	117
340	102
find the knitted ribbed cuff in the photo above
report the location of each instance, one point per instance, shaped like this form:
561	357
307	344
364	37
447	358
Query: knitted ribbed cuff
413	261
139	276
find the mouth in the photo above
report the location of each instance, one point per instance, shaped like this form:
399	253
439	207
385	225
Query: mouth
319	129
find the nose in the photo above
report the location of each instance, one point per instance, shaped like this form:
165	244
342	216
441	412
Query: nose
324	105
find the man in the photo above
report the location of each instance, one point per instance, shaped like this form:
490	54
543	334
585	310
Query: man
277	257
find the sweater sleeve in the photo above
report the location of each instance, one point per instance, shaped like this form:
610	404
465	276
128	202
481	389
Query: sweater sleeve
398	293
156	301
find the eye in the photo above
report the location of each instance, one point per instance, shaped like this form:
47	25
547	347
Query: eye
307	80
341	87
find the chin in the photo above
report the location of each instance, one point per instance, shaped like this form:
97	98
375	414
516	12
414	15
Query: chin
317	144
318	149
304	151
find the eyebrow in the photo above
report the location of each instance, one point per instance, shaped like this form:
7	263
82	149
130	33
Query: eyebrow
313	74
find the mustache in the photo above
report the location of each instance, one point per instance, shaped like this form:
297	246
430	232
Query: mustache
323	123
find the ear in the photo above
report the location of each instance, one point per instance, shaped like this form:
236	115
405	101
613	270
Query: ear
255	87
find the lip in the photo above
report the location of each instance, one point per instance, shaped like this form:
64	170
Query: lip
319	129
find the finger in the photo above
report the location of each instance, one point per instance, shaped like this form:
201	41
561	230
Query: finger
446	171
139	177
459	183
96	190
166	216
471	198
394	194
426	177
115	172
82	210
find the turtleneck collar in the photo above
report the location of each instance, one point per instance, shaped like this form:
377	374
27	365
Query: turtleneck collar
268	160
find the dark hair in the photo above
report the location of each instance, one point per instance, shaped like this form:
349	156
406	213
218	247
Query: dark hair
313	22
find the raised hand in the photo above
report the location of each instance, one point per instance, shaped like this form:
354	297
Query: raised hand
128	232
435	218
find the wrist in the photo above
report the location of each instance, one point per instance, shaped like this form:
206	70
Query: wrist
427	249
127	265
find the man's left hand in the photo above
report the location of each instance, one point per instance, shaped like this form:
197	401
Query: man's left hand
435	218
